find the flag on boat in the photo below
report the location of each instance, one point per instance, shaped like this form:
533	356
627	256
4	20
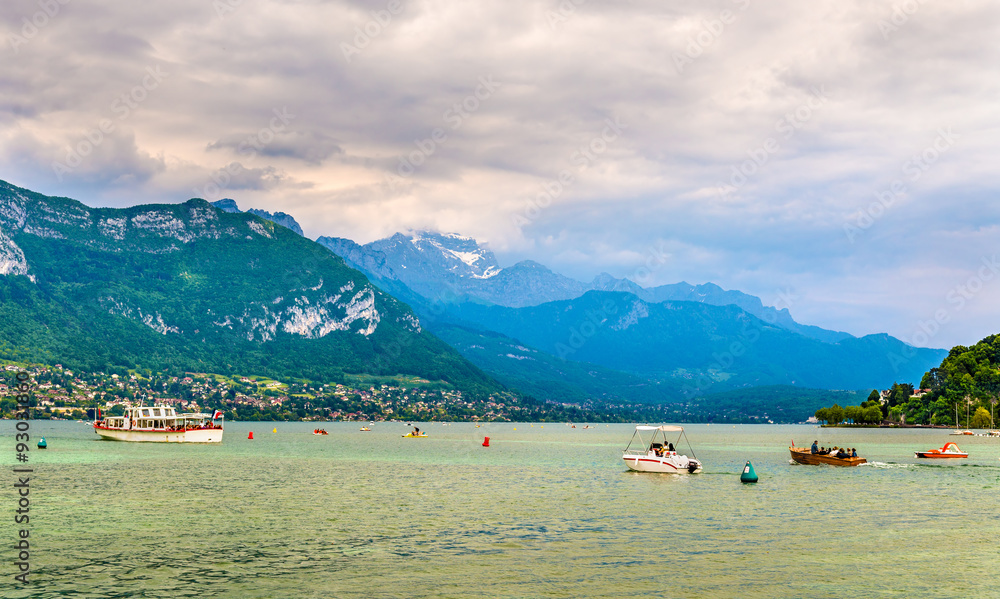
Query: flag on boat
216	415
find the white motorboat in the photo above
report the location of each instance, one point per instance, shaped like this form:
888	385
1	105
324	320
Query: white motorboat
658	454
161	424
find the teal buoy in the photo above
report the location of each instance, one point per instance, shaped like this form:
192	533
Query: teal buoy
42	444
748	476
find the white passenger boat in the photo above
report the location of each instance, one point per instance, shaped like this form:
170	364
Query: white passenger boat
658	454
161	424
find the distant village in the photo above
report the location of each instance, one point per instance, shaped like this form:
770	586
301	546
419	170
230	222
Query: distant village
60	393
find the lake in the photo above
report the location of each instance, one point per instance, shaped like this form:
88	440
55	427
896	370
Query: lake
545	511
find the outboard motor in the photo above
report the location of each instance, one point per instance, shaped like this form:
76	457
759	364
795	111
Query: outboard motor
693	466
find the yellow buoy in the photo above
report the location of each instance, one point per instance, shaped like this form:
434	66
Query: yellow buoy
515	428
275	430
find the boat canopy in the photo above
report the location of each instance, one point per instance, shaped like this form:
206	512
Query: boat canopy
665	428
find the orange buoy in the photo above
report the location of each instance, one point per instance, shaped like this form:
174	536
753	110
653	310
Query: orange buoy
486	442
251	435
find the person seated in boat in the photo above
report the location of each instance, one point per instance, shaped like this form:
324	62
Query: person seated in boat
670	447
843	454
854	452
815	447
657	449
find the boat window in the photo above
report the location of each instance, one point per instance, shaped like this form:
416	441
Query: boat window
145	412
156	411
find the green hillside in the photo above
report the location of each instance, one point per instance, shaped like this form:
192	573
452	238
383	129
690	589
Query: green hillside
190	287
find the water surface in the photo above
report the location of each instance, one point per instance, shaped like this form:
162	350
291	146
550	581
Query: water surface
545	511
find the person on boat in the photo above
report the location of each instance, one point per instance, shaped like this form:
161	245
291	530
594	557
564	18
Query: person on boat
843	454
670	447
854	452
815	447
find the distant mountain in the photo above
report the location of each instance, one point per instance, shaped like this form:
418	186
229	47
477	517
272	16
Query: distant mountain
285	220
193	287
448	268
698	347
664	343
546	376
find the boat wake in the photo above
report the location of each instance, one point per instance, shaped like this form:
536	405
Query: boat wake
888	465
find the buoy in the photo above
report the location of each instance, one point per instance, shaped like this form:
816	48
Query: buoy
748	476
42	444
275	430
251	435
486	442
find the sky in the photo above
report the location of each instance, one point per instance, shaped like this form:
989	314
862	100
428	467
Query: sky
836	158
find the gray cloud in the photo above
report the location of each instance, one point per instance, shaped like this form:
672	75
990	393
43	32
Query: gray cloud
701	92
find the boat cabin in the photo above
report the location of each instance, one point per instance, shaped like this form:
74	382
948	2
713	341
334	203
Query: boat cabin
158	418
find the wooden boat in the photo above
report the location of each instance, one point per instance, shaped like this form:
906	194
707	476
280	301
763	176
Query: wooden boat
950	450
803	455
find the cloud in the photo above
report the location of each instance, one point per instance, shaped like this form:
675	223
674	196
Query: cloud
728	154
312	147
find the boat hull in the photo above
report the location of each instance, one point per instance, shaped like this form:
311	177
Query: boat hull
805	456
211	435
662	465
939	455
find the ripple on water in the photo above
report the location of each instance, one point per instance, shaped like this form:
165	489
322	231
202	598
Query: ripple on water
552	515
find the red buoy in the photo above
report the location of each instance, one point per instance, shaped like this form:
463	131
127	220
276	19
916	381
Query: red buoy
486	442
251	435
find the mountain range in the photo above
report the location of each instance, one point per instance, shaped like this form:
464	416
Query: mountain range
211	288
611	338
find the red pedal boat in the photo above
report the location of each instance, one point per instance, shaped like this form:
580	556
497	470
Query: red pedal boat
950	450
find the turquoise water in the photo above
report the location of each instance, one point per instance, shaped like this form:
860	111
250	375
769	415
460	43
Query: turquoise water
546	511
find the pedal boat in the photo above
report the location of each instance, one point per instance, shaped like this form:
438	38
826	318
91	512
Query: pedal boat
950	450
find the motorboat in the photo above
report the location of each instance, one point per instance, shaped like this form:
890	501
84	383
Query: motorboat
950	450
161	424
320	431
804	455
649	451
962	432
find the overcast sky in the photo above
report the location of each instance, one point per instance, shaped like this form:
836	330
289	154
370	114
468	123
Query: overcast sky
837	158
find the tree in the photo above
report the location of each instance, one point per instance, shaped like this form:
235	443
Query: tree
836	414
873	415
981	419
875	396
